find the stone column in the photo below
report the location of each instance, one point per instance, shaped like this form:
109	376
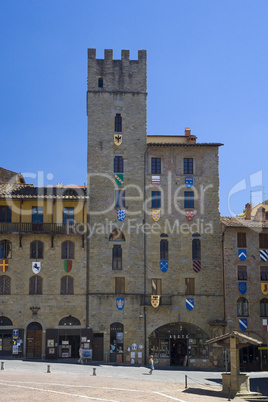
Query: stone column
234	357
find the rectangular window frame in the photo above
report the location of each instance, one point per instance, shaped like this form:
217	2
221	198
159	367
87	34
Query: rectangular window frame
156	199
188	165
119	285
156	165
117	258
118	164
188	199
241	240
189	286
5	214
263	240
156	286
68	215
264	273
242	273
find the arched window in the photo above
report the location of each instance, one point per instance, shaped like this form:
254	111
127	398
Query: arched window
118	123
36	249
117	235
242	307
70	320
5	321
67	249
5	285
5	249
164	249
117	258
264	308
35	285
67	285
100	82
163	235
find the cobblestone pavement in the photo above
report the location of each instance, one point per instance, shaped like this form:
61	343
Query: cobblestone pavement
28	380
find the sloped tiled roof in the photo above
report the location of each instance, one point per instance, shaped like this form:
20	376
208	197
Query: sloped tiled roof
29	191
238	222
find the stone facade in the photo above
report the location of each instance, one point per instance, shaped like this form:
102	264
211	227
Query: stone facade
246	286
123	91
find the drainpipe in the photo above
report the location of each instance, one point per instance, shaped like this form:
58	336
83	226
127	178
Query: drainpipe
145	259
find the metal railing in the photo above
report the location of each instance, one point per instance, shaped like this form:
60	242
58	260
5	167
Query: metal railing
44	228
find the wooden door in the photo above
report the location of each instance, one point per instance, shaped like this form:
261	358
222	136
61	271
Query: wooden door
34	343
97	347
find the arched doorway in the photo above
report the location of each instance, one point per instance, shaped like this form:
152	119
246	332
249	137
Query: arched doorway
34	340
69	336
5	336
173	344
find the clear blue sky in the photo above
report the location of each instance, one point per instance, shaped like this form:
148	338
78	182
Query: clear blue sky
207	70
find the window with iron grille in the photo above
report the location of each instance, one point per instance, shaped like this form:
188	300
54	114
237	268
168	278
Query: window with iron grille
264	308
263	240
242	273
36	249
117	257
5	214
163	250
119	285
188	166
67	250
118	123
35	285
189	286
242	307
118	164
67	285
5	249
5	285
156	165
241	239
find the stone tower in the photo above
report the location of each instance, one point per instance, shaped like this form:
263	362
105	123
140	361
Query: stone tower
116	110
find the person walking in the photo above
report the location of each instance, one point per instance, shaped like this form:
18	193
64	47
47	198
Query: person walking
81	355
151	364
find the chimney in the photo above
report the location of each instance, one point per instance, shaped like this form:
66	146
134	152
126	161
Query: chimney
260	215
248	211
187	132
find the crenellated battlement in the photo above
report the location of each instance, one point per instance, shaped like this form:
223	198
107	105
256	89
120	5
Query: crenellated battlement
108	55
117	75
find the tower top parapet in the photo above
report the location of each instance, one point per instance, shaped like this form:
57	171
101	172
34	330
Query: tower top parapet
117	75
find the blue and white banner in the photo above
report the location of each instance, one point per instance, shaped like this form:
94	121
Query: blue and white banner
264	255
121	213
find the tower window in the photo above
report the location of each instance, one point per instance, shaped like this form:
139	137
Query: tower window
118	123
188	166
156	199
117	258
118	164
100	82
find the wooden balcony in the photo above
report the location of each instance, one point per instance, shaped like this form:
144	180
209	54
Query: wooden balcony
42	228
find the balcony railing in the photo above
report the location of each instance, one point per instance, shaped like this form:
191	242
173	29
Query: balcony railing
164	300
44	228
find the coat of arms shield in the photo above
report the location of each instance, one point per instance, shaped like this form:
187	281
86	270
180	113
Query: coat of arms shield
118	139
188	182
264	255
243	324
36	267
155	181
264	288
4	265
121	213
156	214
189	215
242	254
242	287
164	265
120	303
155	300
119	179
190	303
